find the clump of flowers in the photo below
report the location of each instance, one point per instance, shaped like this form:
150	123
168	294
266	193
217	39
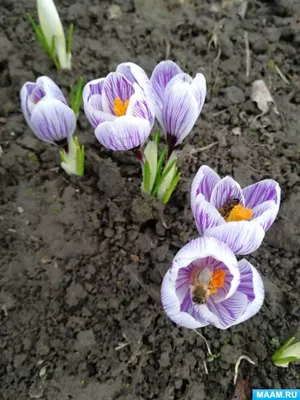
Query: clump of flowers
51	119
122	109
50	34
206	284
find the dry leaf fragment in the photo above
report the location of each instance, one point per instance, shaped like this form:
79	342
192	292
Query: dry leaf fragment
261	95
242	390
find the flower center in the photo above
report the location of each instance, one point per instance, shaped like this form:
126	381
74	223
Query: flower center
239	213
120	107
232	210
207	283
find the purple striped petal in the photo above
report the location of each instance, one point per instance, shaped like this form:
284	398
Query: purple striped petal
124	133
180	110
198	86
265	214
206	215
226	189
161	76
136	74
252	286
50	89
94	113
262	191
243	237
52	121
140	107
204	183
27	104
176	297
171	305
32	93
228	311
93	87
115	86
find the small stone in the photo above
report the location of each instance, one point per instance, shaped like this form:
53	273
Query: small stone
164	359
236	131
46	260
114	12
178	384
43	372
36	390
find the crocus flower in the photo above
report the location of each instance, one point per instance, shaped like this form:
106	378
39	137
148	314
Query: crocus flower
46	111
52	29
179	100
120	107
238	217
207	285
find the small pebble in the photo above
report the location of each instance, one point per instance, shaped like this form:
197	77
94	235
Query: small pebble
236	131
46	260
42	372
114	12
20	210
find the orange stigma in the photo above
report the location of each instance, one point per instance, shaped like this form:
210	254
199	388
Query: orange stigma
217	281
120	107
239	213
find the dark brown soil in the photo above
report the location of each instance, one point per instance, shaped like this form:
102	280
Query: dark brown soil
82	259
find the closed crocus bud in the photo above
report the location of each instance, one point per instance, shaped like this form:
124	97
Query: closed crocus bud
120	107
179	100
53	30
46	111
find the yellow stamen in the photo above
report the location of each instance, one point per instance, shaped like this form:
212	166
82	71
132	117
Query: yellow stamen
239	213
120	107
217	281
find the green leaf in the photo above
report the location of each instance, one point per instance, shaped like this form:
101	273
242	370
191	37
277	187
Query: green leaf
156	137
73	161
76	96
286	360
162	177
63	156
150	154
70	38
42	39
160	164
80	153
172	187
147	176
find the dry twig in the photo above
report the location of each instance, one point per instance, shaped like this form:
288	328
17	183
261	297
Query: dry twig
248	60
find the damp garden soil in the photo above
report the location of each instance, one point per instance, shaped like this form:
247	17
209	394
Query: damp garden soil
82	260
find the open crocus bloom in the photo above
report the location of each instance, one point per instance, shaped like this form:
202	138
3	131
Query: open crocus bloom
46	111
179	100
120	107
207	285
237	217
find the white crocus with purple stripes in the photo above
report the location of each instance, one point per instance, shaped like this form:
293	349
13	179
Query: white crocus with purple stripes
238	217
46	111
207	285
120	107
179	100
